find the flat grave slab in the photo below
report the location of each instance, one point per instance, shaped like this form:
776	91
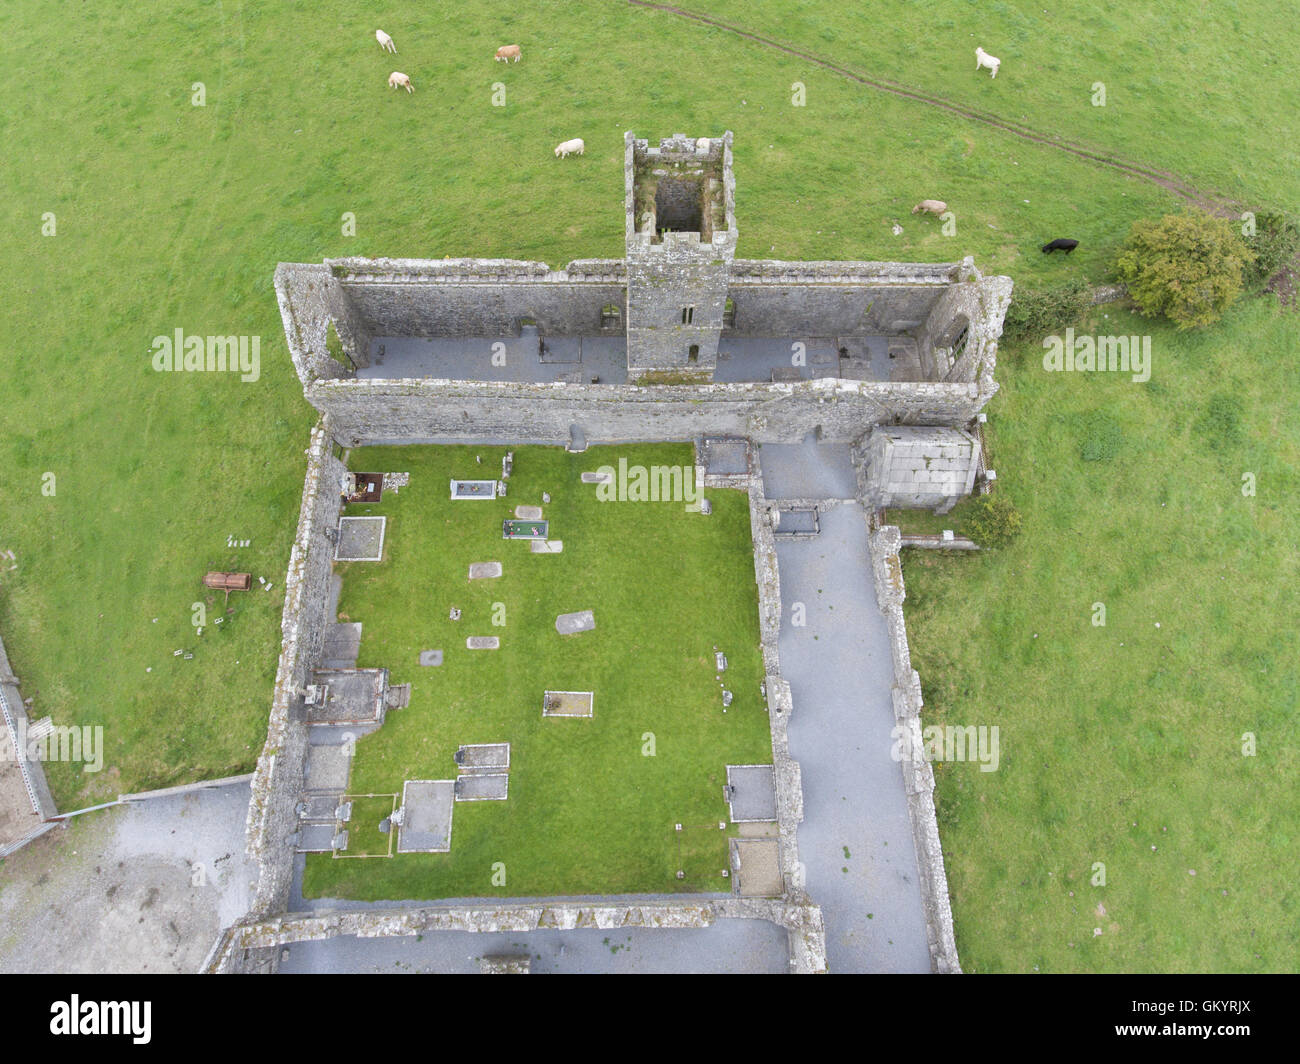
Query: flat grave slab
342	645
483	787
756	868
751	793
475	757
726	455
528	513
360	539
363	487
430	657
327	768
426	816
482	642
570	623
515	529
355	696
316	838
319	807
568	704
473	489
484	570
546	546
596	477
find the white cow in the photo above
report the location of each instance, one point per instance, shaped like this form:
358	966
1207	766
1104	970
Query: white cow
385	42
931	206
563	151
983	59
398	80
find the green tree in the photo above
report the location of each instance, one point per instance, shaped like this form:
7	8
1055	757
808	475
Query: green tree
1186	267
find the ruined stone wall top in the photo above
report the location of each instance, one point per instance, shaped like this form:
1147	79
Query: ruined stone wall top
775	271
358	270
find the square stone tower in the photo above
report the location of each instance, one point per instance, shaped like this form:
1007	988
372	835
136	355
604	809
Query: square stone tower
681	240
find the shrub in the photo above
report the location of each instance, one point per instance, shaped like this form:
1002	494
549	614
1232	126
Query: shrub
993	520
1035	314
1186	267
1275	243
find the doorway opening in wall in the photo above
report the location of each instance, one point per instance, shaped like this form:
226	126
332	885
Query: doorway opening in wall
729	314
610	316
693	355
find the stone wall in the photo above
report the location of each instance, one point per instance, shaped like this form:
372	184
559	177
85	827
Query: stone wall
277	781
250	945
918	777
480	297
786	775
27	805
977	304
310	297
774	298
371	411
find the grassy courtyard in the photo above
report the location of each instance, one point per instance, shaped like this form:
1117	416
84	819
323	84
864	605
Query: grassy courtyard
593	802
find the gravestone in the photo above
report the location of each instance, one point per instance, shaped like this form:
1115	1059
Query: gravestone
570	623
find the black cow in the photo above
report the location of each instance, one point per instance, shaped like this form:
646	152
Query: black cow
1061	244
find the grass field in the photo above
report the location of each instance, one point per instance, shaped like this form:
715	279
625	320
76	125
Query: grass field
588	811
1123	743
1198	91
170	215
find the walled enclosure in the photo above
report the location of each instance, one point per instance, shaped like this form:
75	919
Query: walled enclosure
461	297
676	294
952	313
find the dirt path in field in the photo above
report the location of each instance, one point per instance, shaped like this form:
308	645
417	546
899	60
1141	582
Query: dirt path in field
1285	282
1213	203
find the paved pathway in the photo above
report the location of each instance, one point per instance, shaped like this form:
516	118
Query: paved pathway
856	838
122	890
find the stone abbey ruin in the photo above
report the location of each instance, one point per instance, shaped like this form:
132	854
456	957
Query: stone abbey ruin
678	340
887	366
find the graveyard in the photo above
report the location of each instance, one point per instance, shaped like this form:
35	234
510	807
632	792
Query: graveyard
613	714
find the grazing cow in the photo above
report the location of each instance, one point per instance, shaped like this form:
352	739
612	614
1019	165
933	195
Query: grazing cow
385	42
563	151
398	80
983	59
931	206
508	52
1061	244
